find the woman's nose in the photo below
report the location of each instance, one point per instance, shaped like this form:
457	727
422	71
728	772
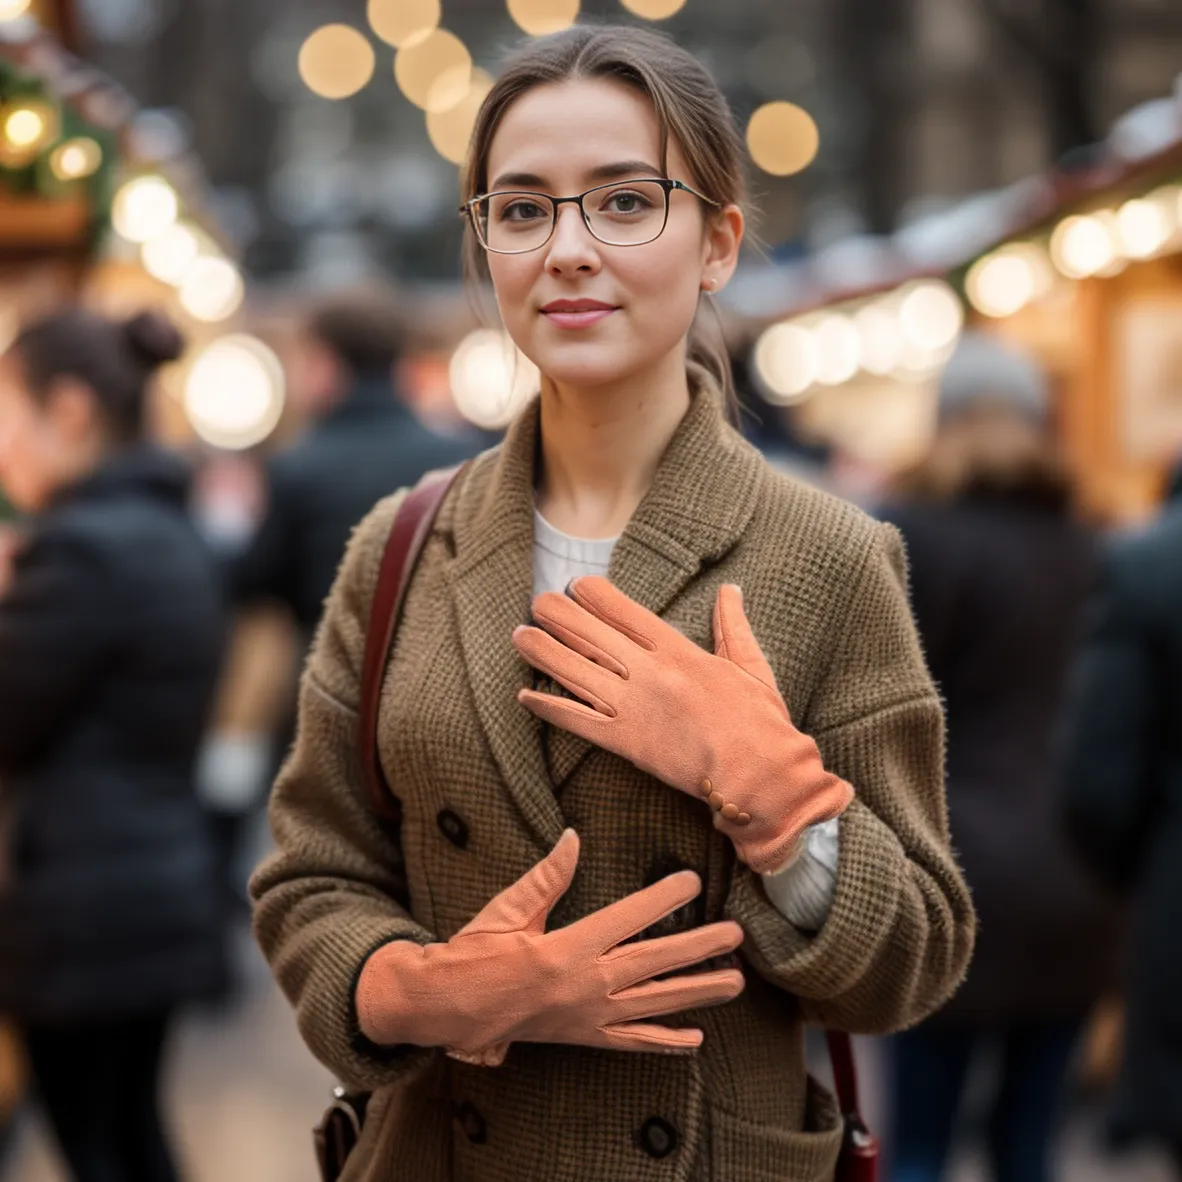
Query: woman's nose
572	246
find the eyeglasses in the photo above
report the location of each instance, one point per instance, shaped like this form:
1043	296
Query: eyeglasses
625	213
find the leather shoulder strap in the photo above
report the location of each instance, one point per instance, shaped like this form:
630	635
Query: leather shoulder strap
408	535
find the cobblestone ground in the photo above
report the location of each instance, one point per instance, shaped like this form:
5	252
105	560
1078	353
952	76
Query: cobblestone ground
243	1094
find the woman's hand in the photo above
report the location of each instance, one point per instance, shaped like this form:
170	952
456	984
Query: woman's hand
713	725
505	979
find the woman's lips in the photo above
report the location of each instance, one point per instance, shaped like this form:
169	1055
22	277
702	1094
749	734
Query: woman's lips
572	314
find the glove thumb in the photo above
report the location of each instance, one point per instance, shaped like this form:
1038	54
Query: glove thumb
526	905
733	639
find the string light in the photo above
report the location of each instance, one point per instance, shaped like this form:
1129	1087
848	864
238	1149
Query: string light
25	128
336	61
1004	282
1143	227
234	392
75	159
782	138
398	22
653	10
451	131
144	208
1082	246
212	290
539	18
435	71
931	316
880	339
839	349
787	362
170	256
491	379
10	10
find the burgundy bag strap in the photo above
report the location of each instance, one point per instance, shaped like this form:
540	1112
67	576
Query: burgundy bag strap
408	535
412	524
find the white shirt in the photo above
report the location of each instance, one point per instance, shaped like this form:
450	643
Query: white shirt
803	891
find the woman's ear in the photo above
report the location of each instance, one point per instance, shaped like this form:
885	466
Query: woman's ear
724	236
71	406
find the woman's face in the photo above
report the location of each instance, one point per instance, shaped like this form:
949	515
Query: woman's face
640	301
40	440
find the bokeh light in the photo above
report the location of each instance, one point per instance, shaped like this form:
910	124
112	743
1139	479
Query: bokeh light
539	18
782	138
1082	246
11	9
491	379
26	127
234	392
398	21
212	290
170	256
786	362
931	316
336	61
435	71
144	208
653	10
880	339
1004	282
839	349
75	159
1144	227
451	130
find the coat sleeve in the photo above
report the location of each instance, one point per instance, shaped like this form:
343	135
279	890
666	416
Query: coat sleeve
900	933
1106	777
56	632
329	895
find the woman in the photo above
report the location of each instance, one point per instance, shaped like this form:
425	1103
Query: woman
500	1051
110	630
1000	570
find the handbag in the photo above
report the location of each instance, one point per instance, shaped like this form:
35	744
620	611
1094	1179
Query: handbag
340	1129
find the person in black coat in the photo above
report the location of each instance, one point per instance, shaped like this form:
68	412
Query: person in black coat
364	443
1122	787
111	630
1000	572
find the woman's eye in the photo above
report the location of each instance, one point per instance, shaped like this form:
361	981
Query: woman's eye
626	201
522	211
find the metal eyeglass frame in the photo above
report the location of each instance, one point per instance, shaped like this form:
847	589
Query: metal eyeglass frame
468	209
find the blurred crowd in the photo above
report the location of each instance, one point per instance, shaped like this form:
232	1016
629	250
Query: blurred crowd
154	607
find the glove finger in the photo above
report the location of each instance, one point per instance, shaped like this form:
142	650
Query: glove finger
527	904
588	635
588	680
643	1036
686	992
571	716
622	920
609	604
633	963
734	640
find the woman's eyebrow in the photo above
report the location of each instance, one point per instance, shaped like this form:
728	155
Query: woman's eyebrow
604	172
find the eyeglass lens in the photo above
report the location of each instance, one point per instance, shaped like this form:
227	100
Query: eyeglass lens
627	214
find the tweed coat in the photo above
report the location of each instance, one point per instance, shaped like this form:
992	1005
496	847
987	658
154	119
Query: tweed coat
486	790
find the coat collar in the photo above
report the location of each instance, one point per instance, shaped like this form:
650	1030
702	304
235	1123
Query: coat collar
701	500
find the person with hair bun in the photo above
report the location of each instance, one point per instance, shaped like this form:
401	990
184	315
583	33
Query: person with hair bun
605	793
111	630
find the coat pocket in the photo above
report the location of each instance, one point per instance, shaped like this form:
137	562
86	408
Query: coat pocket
742	1151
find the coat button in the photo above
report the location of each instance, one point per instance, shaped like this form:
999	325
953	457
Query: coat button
453	827
472	1123
657	1137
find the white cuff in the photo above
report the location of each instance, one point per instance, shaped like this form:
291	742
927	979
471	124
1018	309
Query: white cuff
802	892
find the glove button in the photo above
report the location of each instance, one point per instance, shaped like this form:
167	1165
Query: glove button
453	827
657	1137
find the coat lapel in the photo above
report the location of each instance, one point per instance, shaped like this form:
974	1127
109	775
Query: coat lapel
700	502
492	584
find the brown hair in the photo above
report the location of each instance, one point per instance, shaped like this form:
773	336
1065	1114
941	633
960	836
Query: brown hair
989	449
115	359
689	107
363	327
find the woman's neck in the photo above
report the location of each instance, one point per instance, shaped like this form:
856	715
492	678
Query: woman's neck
600	448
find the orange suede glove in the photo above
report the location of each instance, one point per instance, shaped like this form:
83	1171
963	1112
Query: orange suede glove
505	979
713	725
